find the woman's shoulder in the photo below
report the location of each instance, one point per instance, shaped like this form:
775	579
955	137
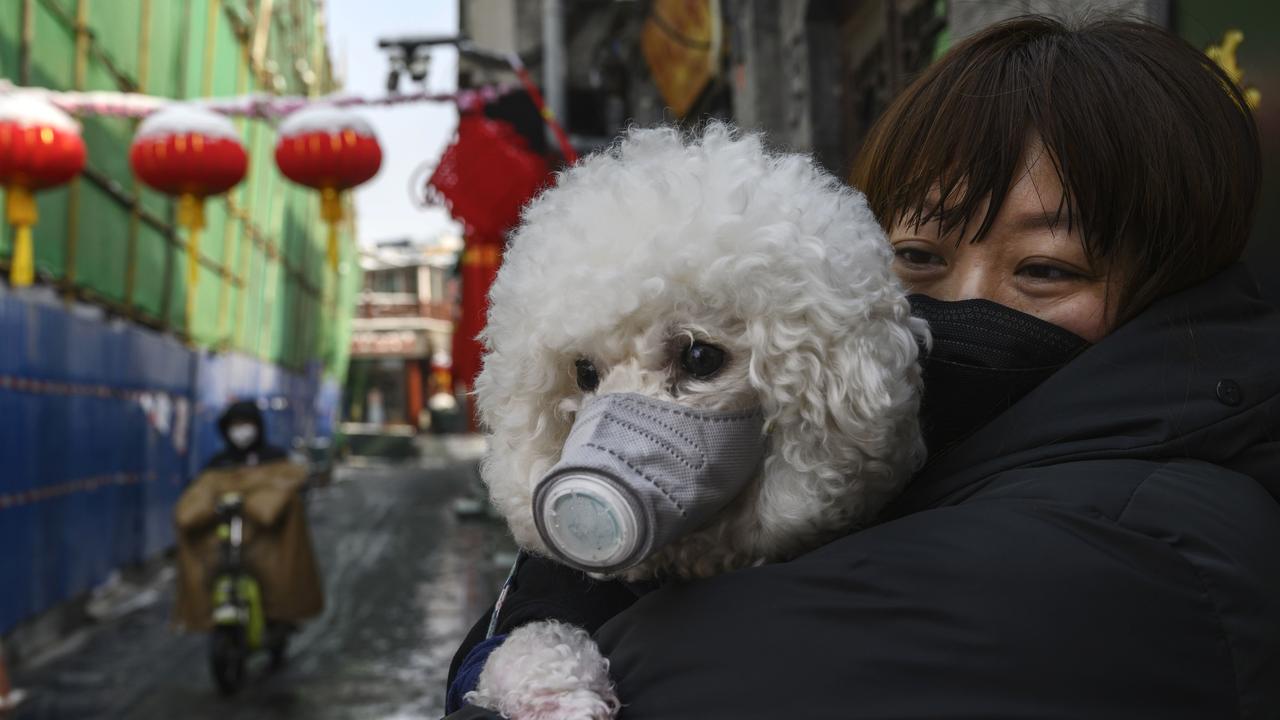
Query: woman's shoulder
1110	487
1022	585
1218	522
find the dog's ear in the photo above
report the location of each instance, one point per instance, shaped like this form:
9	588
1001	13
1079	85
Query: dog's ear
840	385
517	396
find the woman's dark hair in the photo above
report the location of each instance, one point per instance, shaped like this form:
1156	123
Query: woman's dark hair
1155	147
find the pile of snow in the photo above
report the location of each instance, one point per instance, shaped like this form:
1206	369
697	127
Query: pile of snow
183	119
30	109
324	118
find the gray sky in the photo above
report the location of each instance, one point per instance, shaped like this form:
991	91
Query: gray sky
410	134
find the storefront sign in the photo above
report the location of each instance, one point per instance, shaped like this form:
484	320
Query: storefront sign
391	343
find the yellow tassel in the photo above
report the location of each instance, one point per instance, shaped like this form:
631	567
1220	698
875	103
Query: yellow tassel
22	271
193	275
331	212
191	217
20	210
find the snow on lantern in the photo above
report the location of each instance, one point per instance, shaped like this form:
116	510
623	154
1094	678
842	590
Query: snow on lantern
332	150
40	147
190	152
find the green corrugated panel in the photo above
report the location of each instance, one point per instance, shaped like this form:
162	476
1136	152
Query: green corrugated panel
115	29
204	322
149	273
10	38
168	38
50	232
260	171
224	310
226	329
215	215
178	288
100	243
281	331
295	227
227	58
53	58
317	242
103	228
269	346
193	77
246	312
254	316
246	297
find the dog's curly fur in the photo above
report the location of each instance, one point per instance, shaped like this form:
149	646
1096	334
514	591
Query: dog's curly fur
547	671
666	238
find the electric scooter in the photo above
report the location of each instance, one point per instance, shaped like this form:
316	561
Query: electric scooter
239	625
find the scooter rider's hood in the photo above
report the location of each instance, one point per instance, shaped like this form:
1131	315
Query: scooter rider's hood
244	411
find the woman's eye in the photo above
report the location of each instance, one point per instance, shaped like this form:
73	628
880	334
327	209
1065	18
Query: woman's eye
1047	272
916	256
702	360
588	378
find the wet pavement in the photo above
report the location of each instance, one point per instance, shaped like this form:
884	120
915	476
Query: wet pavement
404	579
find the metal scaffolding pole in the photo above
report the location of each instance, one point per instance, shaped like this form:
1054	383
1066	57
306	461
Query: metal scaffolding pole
553	68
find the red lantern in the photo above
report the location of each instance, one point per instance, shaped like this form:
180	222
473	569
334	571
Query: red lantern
192	153
40	147
332	150
487	175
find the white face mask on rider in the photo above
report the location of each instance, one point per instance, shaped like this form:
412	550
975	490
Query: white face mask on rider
242	435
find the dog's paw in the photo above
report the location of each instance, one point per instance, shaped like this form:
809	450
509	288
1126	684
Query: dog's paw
547	671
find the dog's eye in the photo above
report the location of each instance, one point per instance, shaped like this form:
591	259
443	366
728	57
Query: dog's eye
588	378
702	360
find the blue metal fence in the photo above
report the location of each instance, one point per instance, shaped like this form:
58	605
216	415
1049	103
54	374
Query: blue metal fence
102	425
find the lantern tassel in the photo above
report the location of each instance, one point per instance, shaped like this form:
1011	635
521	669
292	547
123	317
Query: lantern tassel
20	210
331	211
191	217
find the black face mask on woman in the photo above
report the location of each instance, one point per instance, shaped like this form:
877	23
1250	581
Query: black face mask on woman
985	357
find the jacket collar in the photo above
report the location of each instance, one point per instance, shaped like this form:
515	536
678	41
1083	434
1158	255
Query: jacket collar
1196	375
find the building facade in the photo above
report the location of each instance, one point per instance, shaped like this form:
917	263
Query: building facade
402	334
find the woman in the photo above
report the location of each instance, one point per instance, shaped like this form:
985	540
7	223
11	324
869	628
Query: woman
1094	535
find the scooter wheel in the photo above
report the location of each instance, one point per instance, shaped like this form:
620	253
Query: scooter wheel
227	656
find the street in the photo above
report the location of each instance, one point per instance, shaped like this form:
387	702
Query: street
404	579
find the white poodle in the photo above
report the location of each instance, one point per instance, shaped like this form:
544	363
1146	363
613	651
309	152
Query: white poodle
711	274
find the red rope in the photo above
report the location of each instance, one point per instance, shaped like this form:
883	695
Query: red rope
566	148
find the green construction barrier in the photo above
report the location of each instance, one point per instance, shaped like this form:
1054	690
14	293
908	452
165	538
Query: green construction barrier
264	285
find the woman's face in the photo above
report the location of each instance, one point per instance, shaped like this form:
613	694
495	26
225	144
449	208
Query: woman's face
1025	262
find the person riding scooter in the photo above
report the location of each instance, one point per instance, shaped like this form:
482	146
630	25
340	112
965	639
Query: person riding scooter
246	570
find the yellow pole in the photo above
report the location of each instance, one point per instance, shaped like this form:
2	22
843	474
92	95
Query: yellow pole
191	217
20	209
331	211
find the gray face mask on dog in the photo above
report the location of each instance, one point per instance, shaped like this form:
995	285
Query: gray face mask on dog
637	473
